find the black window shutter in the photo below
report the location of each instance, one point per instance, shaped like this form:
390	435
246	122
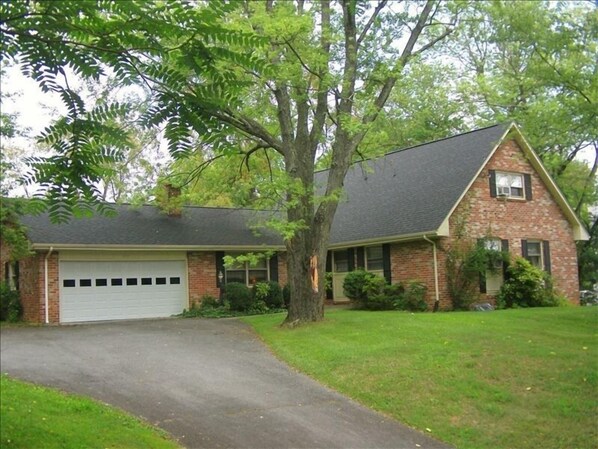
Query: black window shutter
329	270
360	257
351	259
492	175
504	247
524	249
386	262
17	274
220	267
273	262
482	274
527	183
6	271
546	256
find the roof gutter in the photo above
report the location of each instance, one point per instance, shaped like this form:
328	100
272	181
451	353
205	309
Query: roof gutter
436	288
46	285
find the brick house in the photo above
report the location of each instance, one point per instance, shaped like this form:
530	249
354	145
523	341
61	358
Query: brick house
398	217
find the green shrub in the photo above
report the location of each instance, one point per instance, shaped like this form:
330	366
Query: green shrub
209	302
413	297
270	293
361	286
238	296
286	295
526	286
10	304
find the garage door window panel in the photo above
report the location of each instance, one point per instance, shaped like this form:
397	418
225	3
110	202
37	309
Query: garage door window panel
117	282
131	281
69	283
175	281
101	282
85	283
146	281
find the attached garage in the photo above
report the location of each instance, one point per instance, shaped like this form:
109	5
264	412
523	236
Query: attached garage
95	290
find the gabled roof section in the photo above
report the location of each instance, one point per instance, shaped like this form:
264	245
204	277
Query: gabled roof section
410	193
147	227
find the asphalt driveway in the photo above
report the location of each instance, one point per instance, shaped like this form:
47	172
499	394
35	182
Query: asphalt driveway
209	383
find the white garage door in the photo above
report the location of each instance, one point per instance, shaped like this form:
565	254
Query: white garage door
93	291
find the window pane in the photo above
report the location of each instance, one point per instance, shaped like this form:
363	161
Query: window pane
146	281
101	282
517	181
116	282
533	248
236	276
492	244
160	281
374	258
257	276
85	283
262	263
175	280
131	281
341	262
68	283
502	180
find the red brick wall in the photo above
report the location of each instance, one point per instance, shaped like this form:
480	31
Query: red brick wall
540	219
201	270
414	261
4	257
32	287
514	220
282	269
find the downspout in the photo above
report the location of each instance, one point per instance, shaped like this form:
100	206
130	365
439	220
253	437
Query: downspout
437	302
47	295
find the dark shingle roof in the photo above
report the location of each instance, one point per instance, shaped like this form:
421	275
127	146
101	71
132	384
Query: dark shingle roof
410	191
406	192
147	225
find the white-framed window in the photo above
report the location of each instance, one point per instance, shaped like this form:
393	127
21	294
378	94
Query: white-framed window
246	273
373	258
494	245
11	273
534	253
510	185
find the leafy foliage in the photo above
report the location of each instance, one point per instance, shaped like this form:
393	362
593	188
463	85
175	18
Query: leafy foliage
369	291
466	261
526	286
238	296
270	293
10	304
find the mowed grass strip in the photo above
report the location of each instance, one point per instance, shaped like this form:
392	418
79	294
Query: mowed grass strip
42	418
511	379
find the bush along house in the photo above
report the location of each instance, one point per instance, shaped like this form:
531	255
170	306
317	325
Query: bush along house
401	216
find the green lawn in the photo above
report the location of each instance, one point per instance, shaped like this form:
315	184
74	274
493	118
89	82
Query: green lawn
512	379
41	418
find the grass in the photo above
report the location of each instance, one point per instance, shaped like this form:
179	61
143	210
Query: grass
512	379
42	418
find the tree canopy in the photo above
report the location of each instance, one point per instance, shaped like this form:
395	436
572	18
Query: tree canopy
279	88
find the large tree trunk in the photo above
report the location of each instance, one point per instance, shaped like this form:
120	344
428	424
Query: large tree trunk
306	304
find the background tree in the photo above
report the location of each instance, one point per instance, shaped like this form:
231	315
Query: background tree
332	69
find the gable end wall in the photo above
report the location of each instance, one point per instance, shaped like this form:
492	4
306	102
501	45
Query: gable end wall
540	218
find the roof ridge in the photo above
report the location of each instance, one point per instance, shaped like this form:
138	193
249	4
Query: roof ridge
400	150
190	206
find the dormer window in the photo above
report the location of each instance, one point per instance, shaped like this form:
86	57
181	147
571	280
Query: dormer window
510	185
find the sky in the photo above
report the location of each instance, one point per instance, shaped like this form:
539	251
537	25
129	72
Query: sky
35	110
